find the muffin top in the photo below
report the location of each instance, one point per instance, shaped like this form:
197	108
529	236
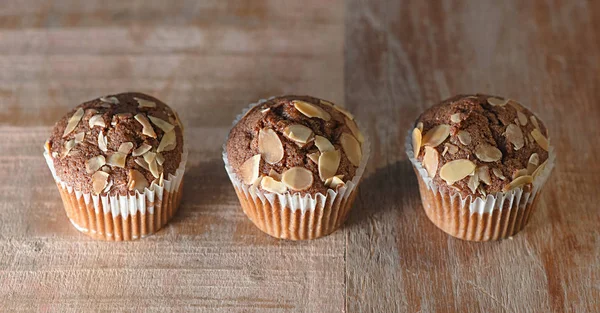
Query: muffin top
299	144
116	144
480	144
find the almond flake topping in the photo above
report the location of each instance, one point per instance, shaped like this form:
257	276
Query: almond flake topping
431	160
249	169
94	164
67	148
452	149
269	184
498	173
126	147
343	111
96	120
539	169
143	148
168	142
116	159
514	135
276	176
79	137
162	124
416	141
270	146
136	181
141	162
473	182
355	131
297	178
334	182
298	133
329	161
534	162
102	142
160	159
143	103
323	144
314	156
455	118
464	137
522	118
351	148
540	139
311	110
483	173
99	181
111	100
420	126
149	157
456	170
146	127
73	122
519	173
488	153
518	182
534	121
435	136
497	101
153	167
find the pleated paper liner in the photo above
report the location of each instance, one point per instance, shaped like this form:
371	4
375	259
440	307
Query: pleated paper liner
122	218
290	215
494	217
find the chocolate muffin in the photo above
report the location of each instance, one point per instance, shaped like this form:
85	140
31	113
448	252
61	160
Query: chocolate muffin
480	161
296	160
109	151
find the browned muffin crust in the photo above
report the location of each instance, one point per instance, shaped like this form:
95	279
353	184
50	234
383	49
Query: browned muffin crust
278	114
467	126
114	117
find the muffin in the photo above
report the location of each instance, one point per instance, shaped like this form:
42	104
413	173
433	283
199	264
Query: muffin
118	162
295	163
481	162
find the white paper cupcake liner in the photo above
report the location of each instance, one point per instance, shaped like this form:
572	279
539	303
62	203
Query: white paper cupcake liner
291	215
118	218
496	216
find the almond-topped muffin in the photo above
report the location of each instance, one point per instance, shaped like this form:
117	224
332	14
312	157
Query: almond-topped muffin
118	147
487	151
290	151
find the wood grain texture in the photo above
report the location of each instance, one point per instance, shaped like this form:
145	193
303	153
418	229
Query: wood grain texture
386	60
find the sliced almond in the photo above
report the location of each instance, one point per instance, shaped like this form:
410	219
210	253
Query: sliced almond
518	182
497	101
73	122
111	100
431	160
297	178
416	141
311	110
149	157
79	137
102	142
314	156
143	148
514	135
455	118
351	148
488	153
534	121
116	159
420	126
329	161
464	137
522	118
483	173
265	110
539	169
334	182
160	159
276	176
108	187
534	162
456	170
125	147
168	142
154	169
146	127
323	144
516	105
99	181
178	120
436	135
298	133
95	163
540	139
67	148
473	182
106	168
136	181
143	103
270	146
269	184
141	162
498	173
445	150
249	169
355	131
452	149
162	124
343	110
519	173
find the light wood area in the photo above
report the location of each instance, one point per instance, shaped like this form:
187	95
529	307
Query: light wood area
386	61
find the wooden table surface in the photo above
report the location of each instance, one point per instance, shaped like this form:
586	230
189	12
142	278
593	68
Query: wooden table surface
386	61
